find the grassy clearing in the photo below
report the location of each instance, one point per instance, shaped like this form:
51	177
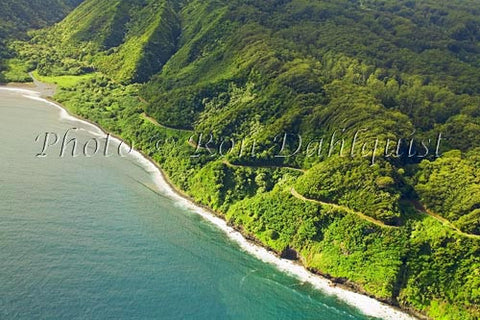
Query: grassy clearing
63	81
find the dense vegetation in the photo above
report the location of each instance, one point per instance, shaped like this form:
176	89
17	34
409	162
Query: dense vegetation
373	190
451	187
382	90
18	16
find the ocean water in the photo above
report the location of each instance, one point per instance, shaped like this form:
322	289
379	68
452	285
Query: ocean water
95	238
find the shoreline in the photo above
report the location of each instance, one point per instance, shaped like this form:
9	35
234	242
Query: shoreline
344	291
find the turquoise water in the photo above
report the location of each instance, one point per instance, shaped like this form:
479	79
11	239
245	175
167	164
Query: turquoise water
83	238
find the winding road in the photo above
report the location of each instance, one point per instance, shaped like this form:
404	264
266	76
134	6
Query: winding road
421	209
336	206
229	164
418	206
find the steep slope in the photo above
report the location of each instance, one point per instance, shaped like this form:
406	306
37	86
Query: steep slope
16	17
128	40
369	86
22	15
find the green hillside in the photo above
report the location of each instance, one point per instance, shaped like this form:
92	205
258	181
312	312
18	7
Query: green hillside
385	197
128	40
23	15
16	17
